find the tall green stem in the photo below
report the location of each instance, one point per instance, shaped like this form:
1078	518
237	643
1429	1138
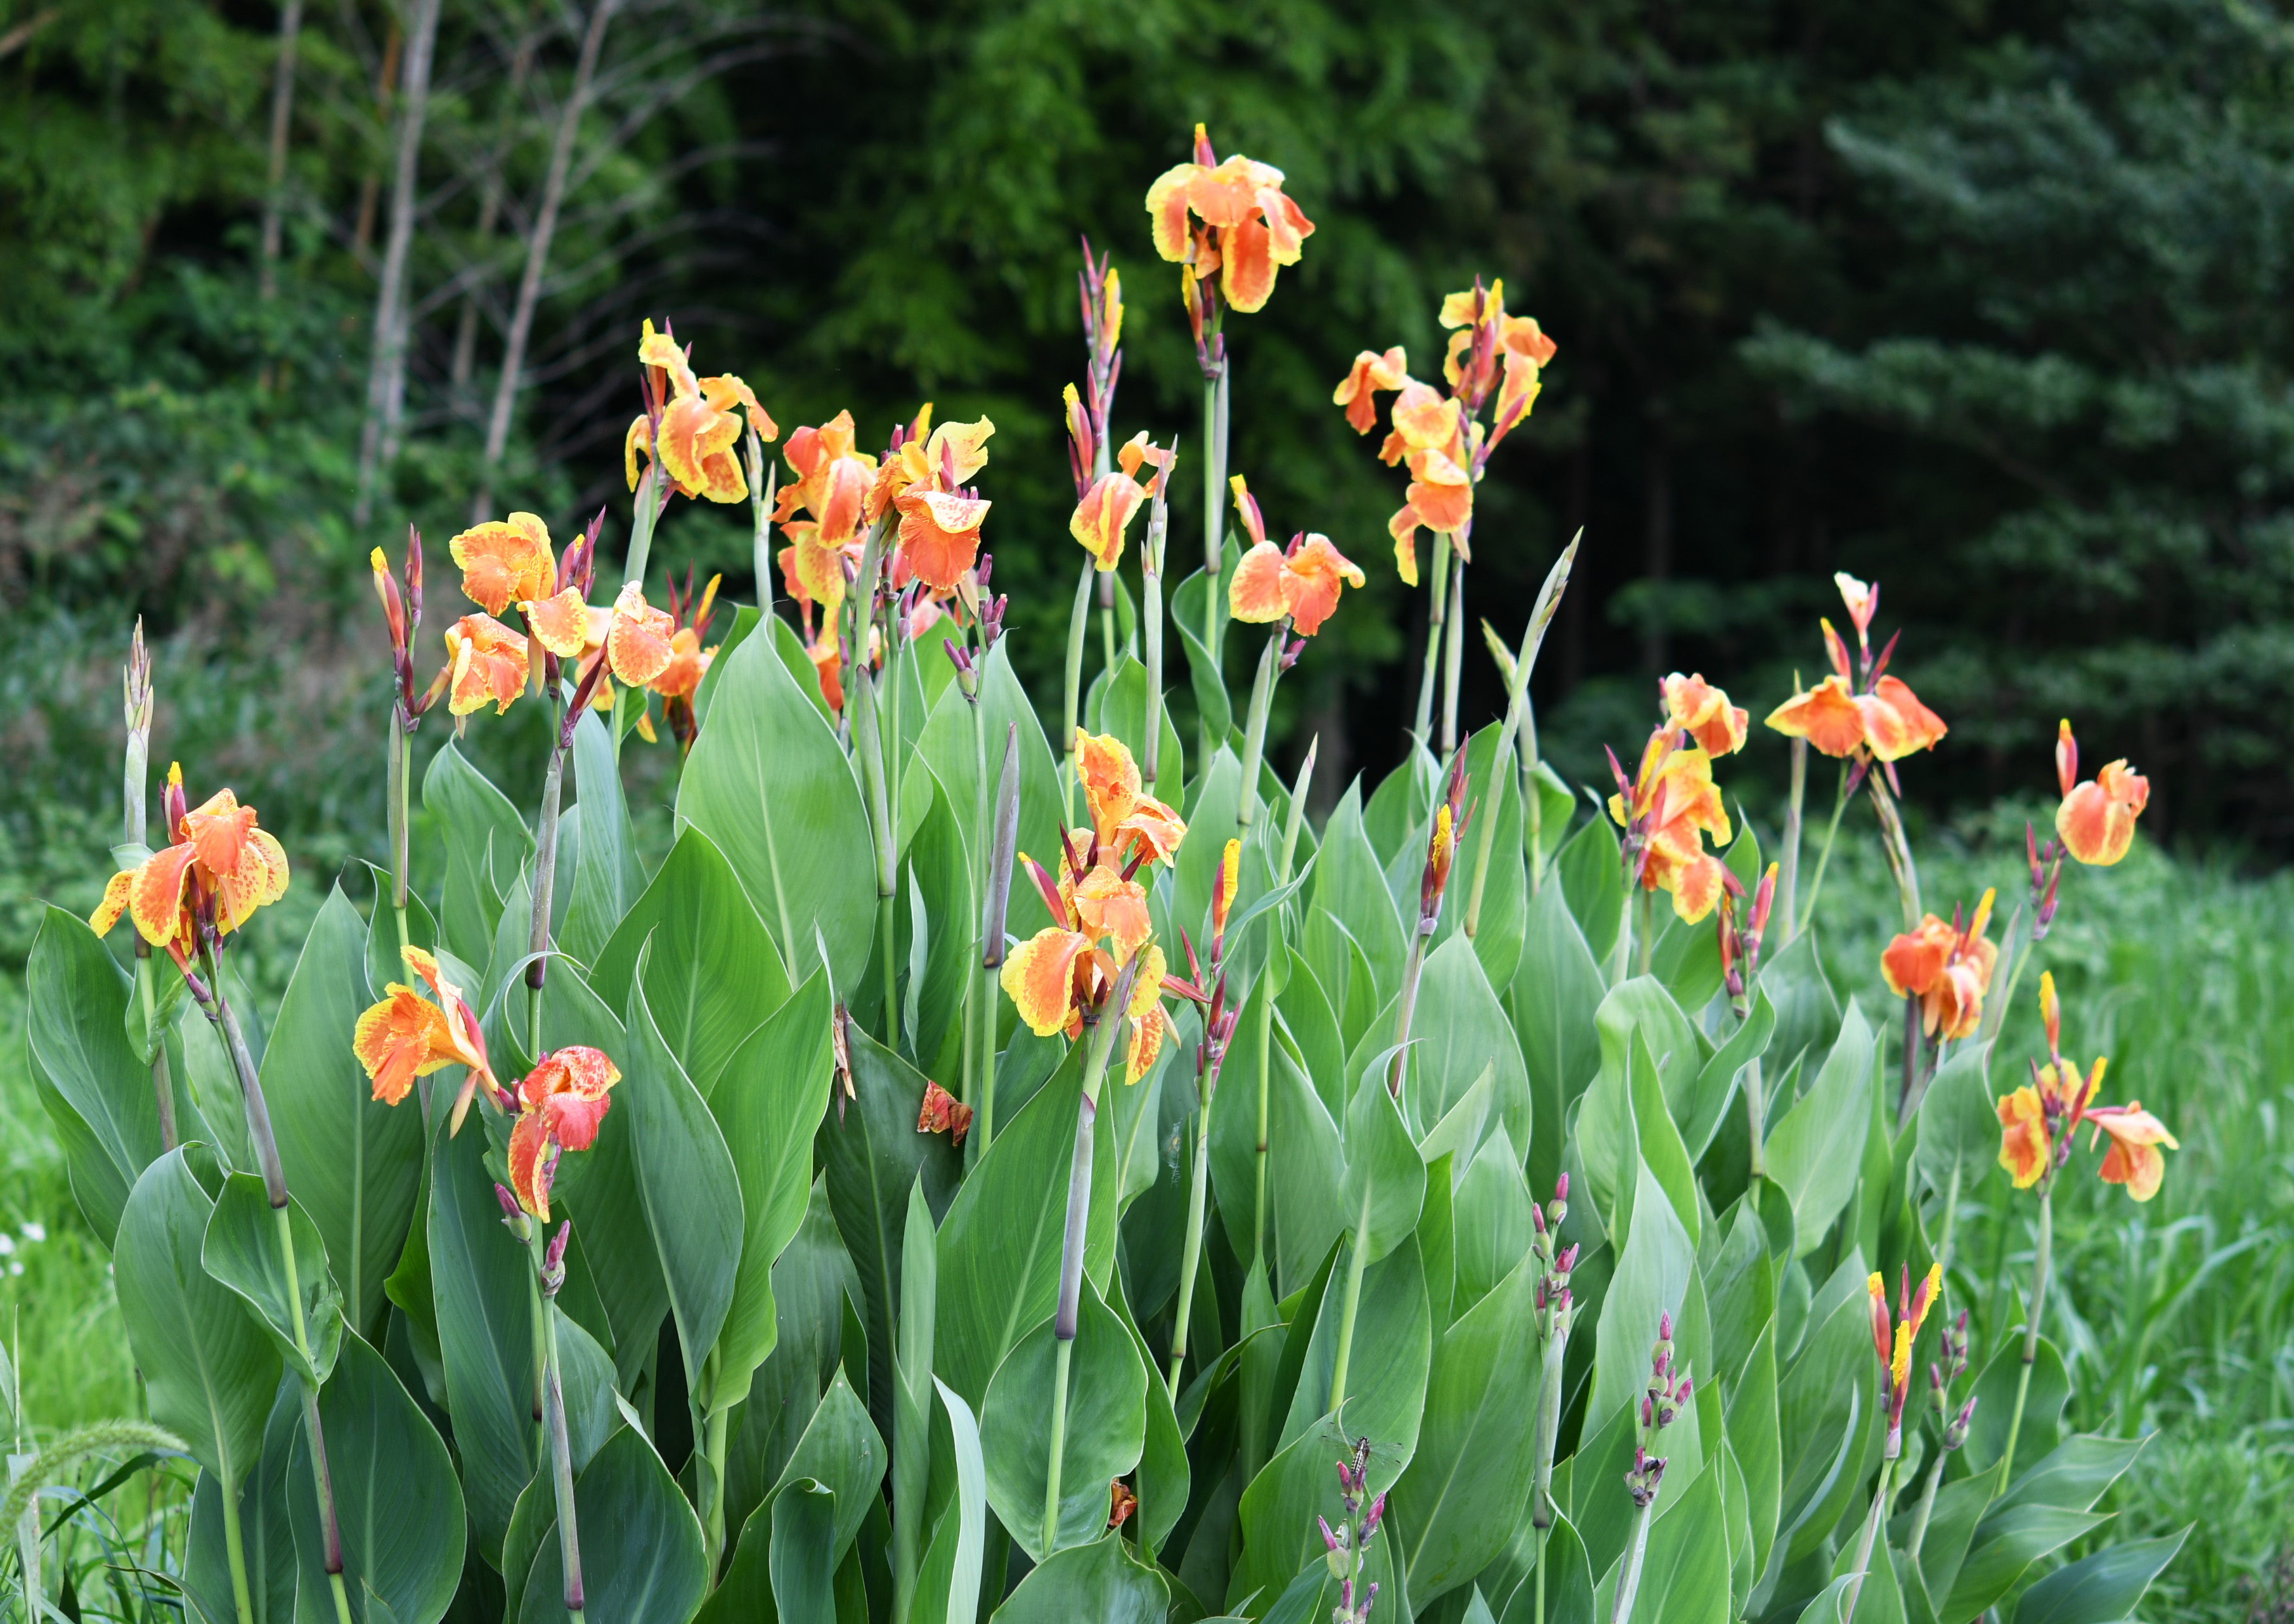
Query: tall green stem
1926	1507
1079	625
644	512
1254	734
1407	1007
1788	874
1350	1305
1453	657
2041	1257
1099	1034
545	875
234	1545
1150	643
1438	584
1866	1540
1107	620
868	745
1629	1582
1198	1186
399	773
322	1477
1215	414
561	1450
1823	852
712	1530
1517	674
1291	827
1001	840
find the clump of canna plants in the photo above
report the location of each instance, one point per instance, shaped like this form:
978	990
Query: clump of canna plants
977	1175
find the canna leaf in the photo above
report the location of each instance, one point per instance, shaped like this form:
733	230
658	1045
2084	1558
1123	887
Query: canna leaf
606	877
641	1551
1106	1427
1554	998
97	1093
1101	1581
241	1250
1813	1153
486	838
1458	1031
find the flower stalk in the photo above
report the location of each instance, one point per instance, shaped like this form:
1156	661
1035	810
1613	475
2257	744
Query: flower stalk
1210	1054
1795	804
550	1273
994	905
135	781
1660	1405
1453	643
574	572
1533	638
1271	663
1450	820
868	743
1289	852
1437	616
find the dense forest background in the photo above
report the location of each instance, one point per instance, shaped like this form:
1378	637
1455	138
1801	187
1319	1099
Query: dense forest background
1981	299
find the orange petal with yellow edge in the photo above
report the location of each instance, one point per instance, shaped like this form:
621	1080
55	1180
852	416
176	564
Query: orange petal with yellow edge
2023	1148
1147	1034
156	896
1825	715
559	623
1105	513
116	892
1695	888
1112	906
940	532
401	1038
1314	574
1247	279
638	646
1255	593
532	1164
1167	207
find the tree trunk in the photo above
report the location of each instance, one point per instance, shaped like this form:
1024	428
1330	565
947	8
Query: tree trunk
283	110
537	254
386	392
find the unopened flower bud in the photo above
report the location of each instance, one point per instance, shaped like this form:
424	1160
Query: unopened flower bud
1537	1219
1370	1522
1955	1434
509	1206
1290	654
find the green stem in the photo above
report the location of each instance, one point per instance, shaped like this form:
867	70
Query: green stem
1065	1346
162	1086
321	1475
1865	1540
1645	938
1107	620
1407	1007
1788	868
1349	1306
868	743
1150	642
1453	657
561	1451
1099	1036
1540	1615
234	1545
1078	627
644	512
712	1530
1438	584
1920	1515
1198	1184
2041	1257
1621	973
1756	1125
1549	1428
1254	732
1630	1580
1215	412
1823	852
1517	668
545	877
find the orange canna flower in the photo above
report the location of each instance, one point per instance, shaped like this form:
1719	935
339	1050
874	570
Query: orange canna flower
218	855
1947	969
1106	510
2023	1142
1223	892
1251	228
1150	1025
563	1099
1120	1503
1702	711
2136	1135
2037	1122
1357	391
1675	804
637	644
1107	905
561	622
505	562
406	1036
1047	976
832	486
1825	715
2096	819
944	1113
1890	722
1302	582
1125	822
488	661
954	452
699	426
940	533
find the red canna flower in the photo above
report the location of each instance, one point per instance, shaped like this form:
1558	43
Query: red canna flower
563	1101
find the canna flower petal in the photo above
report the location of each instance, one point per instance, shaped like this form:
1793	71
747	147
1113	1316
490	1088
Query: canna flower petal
1112	906
827	657
1108	778
639	438
1403	528
404	1037
1039	978
532	1165
1246	275
2096	820
1424	419
1899	1362
117	891
695	446
1357	391
1147	991
944	1113
1313	575
1223	888
637	644
688	662
1246	508
1825	715
1106	512
1863	600
1152	825
259	878
156	893
940	533
559	623
1255	592
660	350
1441	490
1696	886
1914	962
1876	1288
488	663
218	832
1167	207
958	451
504	562
2023	1148
1931	1289
1911	725
2133	1159
570	1093
1697	708
1147	1034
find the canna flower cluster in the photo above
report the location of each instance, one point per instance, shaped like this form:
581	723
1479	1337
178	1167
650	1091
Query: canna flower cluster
2096	820
1874	717
1662	1402
2039	1121
1553	1300
216	869
1948	967
1892	1341
1061	978
1299	583
1346	1547
690	424
1230	228
1441	438
1671	802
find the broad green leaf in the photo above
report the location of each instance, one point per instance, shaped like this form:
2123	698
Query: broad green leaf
1462	1130
954	752
396	1502
1306	1169
1397	814
1753	1436
97	1093
487	842
1739	1286
1105	1434
1122	711
1569	1586
1497	938
1654	1268
1101	1581
1491	1220
746	619
713	972
769	1102
803	1561
686	1179
788	648
2014	1541
353	1163
243	1250
2099	1588
1190	603
1386	1366
1995	1409
871	1152
1164	1478
769	785
1685	1573
481	1287
1715	1089
266	1536
1808	1011
1457	1504
1211	821
1277	1513
641	1552
606	876
939	876
1825	1419
1593	882
209	1372
1306	1010
1555	996
1350	885
948	1582
1000	1238
1385	1177
912	1377
1814	1153
1958	1124
842	1450
1458	1030
2074	1475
